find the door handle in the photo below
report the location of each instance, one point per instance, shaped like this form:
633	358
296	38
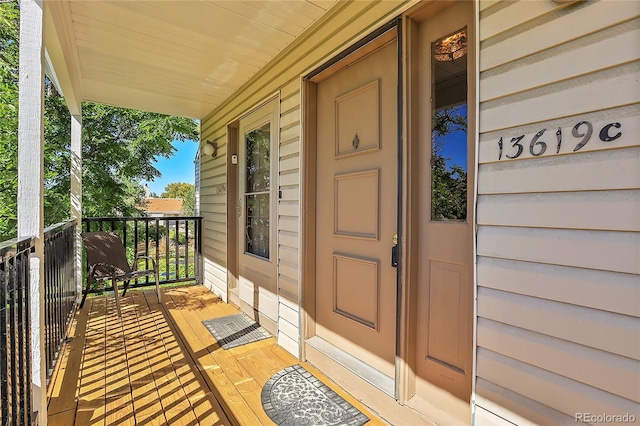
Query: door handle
394	251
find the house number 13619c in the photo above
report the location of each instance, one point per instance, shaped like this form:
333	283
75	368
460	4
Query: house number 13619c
543	140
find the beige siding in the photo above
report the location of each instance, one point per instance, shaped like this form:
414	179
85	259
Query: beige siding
289	217
213	208
558	239
345	24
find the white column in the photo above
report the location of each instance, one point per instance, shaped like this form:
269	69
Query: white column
31	181
76	193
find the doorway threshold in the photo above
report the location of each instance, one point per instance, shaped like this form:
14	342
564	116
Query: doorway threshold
367	373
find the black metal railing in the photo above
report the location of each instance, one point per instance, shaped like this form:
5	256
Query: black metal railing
59	287
15	331
174	242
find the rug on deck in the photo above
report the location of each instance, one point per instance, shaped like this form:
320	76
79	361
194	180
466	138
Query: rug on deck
235	330
294	396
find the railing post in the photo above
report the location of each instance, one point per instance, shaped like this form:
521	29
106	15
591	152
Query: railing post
31	180
200	260
76	196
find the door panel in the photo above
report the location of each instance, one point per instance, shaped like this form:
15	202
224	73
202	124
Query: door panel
358	303
256	209
357	192
446	288
356	209
445	240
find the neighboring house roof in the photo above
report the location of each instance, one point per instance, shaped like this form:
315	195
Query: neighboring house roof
163	205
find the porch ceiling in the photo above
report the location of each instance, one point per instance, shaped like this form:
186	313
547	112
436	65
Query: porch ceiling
174	57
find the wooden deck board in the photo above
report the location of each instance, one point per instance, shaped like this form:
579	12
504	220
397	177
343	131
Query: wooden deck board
144	393
159	365
68	368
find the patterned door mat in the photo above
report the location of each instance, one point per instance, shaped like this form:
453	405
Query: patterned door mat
294	396
235	330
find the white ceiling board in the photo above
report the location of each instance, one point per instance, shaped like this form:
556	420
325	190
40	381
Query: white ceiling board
174	57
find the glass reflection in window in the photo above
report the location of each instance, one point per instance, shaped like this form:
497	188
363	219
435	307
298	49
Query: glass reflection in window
257	191
449	128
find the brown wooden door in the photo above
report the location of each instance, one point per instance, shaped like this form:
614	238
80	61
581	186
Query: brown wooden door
445	271
356	205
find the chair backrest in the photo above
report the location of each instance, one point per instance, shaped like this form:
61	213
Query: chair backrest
106	247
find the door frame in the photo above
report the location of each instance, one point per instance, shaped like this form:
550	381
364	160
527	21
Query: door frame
406	28
407	379
369	44
233	193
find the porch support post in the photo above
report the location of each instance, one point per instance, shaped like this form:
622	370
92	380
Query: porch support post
31	182
76	195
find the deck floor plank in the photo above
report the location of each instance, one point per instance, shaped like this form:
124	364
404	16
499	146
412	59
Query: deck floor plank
172	397
144	393
68	368
91	393
203	344
159	365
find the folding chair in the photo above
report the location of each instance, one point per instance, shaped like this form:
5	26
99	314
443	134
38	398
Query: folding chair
107	258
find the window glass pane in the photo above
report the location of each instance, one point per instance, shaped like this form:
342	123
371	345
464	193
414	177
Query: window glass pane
257	191
449	128
257	225
258	166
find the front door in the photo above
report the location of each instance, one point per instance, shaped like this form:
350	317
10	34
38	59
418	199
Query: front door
445	271
356	202
256	236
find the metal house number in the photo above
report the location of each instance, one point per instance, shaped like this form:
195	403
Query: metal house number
582	132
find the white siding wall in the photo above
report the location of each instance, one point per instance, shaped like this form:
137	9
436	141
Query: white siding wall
289	218
213	208
558	328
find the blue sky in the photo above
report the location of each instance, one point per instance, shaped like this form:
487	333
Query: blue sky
178	168
455	147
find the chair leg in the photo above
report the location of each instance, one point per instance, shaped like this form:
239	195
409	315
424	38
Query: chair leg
86	291
114	283
126	287
158	286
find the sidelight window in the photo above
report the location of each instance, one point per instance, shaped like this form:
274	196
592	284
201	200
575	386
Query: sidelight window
449	154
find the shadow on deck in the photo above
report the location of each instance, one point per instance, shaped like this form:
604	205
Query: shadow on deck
160	365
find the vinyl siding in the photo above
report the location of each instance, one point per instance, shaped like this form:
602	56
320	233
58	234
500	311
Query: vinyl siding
344	24
213	208
558	240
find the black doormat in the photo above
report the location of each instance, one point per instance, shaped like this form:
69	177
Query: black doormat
235	330
294	396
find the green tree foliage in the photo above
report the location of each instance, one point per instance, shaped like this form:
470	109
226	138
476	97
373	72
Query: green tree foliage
449	184
177	190
118	145
189	202
9	20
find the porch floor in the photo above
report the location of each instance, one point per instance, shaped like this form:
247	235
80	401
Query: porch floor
159	365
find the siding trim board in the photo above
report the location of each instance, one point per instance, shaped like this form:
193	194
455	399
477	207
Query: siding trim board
577	20
547	67
607	89
600	290
554	391
597	368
